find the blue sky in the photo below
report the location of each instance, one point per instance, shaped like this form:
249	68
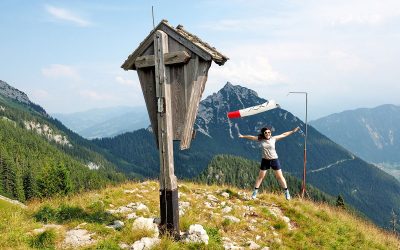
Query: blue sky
66	55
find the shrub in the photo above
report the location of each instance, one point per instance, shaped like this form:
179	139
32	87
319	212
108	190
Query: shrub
67	213
46	214
45	240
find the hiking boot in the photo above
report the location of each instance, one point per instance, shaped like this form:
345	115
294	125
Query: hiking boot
253	196
287	195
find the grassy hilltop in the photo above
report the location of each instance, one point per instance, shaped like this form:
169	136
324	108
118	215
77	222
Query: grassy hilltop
270	221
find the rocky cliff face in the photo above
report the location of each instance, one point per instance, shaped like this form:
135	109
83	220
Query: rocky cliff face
16	95
13	93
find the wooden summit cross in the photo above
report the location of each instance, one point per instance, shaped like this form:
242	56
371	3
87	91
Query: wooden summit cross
172	66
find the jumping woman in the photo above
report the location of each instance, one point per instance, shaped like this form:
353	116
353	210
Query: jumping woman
269	157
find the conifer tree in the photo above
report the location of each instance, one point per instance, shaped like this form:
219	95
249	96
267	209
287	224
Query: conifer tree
393	221
8	178
29	182
18	191
55	179
340	201
1	174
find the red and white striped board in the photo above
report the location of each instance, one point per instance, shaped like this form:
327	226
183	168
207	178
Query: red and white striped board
253	110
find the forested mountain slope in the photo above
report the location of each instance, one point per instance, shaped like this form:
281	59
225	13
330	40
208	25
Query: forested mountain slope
39	157
242	173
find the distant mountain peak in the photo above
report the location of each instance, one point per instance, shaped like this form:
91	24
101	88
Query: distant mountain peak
232	95
238	90
214	108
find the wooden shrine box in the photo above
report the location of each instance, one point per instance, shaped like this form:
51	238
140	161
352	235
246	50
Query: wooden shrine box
172	65
187	60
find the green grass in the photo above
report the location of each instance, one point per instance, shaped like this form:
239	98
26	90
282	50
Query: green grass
317	226
14	223
45	240
67	213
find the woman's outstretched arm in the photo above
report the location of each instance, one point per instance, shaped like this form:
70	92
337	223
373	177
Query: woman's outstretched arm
283	135
248	137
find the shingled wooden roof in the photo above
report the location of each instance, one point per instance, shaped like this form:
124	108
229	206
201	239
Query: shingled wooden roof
190	41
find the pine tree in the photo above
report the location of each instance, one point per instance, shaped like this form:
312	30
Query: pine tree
1	173
54	179
8	178
18	191
63	178
340	201
29	182
393	221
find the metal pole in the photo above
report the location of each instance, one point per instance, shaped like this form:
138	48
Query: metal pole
152	15
303	187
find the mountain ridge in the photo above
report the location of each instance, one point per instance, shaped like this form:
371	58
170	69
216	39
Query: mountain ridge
12	93
371	133
105	122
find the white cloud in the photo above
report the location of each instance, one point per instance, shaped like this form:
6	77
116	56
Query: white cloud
123	81
40	94
61	71
359	12
237	24
66	15
346	61
252	70
95	96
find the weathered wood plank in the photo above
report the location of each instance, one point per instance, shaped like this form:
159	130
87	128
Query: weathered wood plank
177	77
185	42
190	76
178	105
197	91
144	61
130	62
148	84
168	179
191	69
176	57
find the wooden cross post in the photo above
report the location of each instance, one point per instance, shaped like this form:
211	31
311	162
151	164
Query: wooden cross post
169	207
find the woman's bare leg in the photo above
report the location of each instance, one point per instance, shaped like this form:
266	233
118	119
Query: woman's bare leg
260	178
280	178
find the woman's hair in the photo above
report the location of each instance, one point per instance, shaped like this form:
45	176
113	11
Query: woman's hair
261	136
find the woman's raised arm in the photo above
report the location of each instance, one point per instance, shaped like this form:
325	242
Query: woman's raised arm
283	135
248	137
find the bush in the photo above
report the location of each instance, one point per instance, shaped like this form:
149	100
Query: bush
46	214
67	213
45	240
